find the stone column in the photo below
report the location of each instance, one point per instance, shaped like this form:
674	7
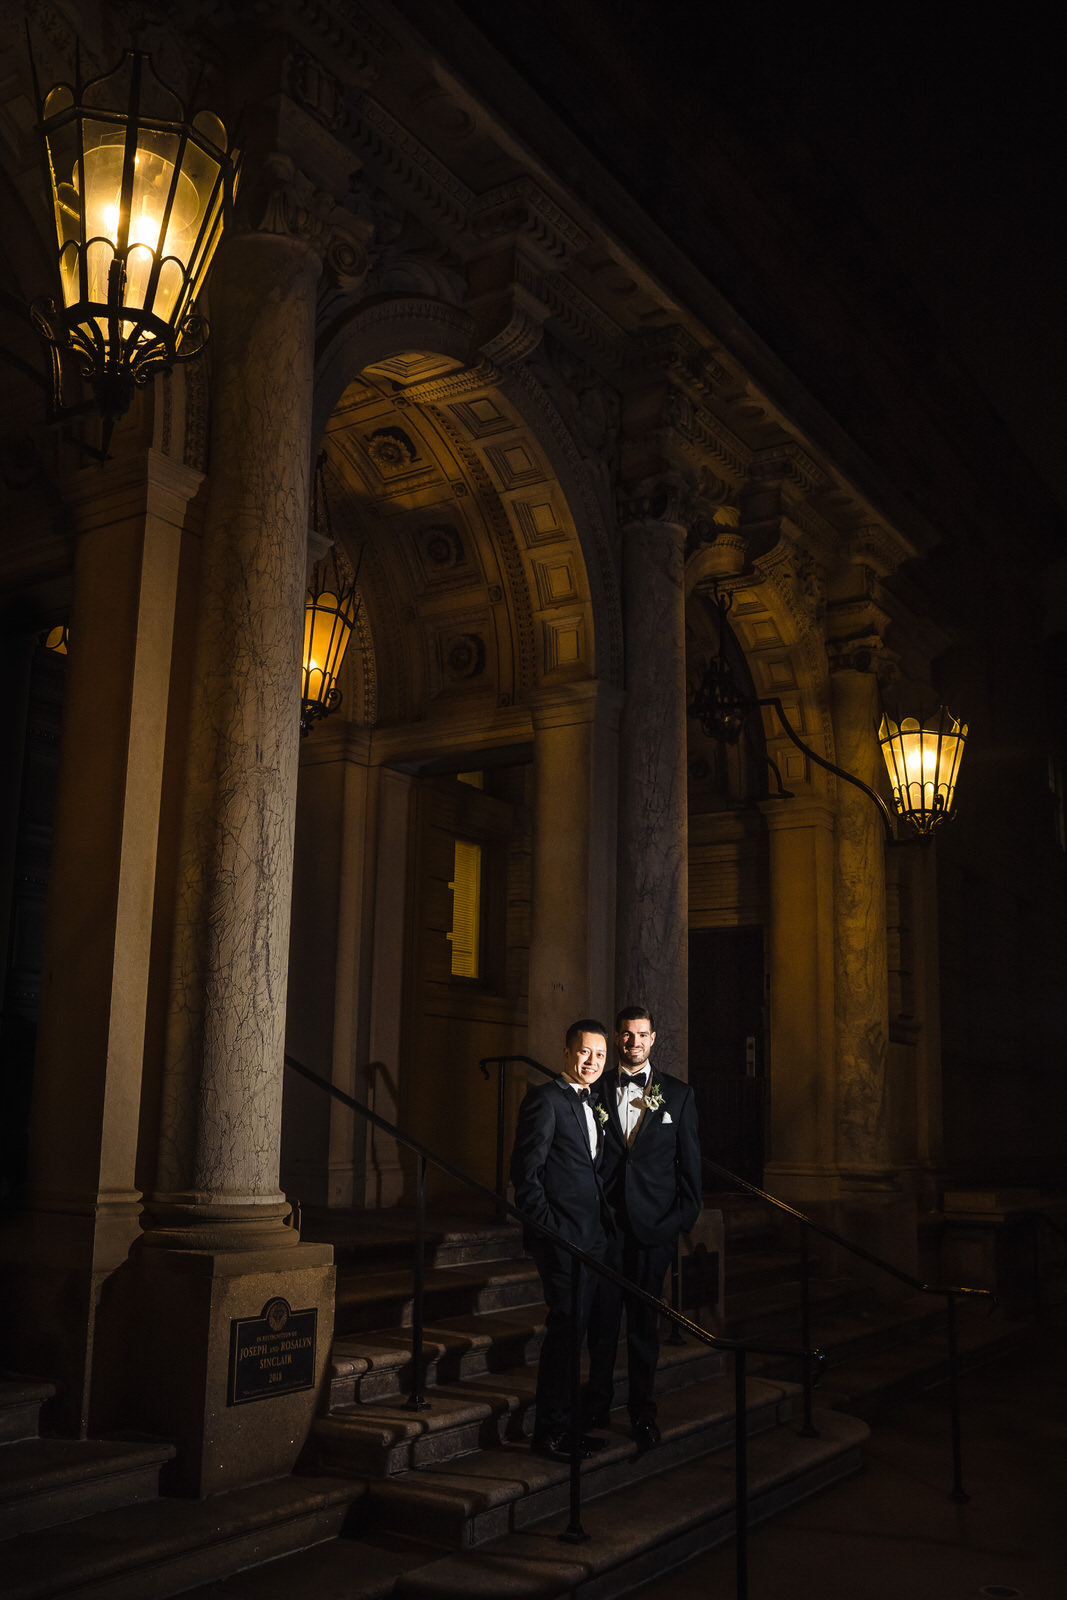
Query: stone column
84	1206
862	983
324	1143
801	1145
574	843
219	1248
653	889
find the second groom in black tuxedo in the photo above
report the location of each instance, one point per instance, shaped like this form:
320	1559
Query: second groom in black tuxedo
555	1169
652	1182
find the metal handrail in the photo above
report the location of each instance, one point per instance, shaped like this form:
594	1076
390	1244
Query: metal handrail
500	1062
1061	1233
951	1292
579	1257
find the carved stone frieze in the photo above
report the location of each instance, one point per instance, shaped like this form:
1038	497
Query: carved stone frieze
525	663
798	580
788	463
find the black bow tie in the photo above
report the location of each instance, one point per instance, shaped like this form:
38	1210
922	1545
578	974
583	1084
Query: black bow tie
638	1078
583	1095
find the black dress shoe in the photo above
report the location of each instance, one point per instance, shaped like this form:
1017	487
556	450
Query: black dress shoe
557	1446
647	1435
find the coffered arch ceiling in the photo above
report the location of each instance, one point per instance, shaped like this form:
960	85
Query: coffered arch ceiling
480	578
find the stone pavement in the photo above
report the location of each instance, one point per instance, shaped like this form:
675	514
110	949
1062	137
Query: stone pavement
893	1533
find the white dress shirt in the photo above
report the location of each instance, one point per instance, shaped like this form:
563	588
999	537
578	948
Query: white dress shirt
632	1101
590	1121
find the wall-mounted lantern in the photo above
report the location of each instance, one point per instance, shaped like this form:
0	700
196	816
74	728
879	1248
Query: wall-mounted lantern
141	193
329	615
922	761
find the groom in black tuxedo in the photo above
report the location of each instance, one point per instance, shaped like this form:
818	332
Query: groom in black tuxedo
652	1182
554	1167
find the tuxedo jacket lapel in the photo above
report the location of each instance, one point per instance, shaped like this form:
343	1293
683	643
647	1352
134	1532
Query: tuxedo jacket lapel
578	1113
611	1098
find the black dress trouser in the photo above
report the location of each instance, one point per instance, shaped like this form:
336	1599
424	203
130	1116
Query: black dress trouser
552	1403
646	1266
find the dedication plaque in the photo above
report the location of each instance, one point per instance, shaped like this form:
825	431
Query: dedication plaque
271	1354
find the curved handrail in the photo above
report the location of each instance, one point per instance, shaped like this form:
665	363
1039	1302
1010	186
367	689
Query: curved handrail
813	1360
839	1239
573	1250
488	1061
951	1292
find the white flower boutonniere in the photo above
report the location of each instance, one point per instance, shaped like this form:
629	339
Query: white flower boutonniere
653	1097
601	1114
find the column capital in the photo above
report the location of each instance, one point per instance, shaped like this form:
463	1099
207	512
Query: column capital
285	203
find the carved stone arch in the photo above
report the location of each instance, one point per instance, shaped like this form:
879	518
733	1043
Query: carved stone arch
485	562
776	617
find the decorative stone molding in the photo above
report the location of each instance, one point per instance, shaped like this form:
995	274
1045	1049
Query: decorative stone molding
788	463
519	209
522	209
670	497
287	203
797	580
600	563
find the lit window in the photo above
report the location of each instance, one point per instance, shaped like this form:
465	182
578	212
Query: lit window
466	889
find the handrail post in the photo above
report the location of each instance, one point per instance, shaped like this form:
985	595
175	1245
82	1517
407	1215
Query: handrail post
741	1474
501	1214
574	1532
416	1401
958	1494
809	1430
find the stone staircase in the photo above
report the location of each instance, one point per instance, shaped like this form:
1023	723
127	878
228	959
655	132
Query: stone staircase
448	1501
85	1517
878	1351
451	1500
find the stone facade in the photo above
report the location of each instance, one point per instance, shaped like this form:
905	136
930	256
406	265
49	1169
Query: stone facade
550	444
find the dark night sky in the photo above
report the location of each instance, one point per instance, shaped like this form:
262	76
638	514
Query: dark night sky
948	125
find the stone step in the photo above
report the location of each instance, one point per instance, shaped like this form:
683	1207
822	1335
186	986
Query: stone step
380	1436
21	1401
44	1482
377	1365
165	1546
352	1567
772	1312
636	1531
644	1526
370	1300
885	1375
499	1485
387	1239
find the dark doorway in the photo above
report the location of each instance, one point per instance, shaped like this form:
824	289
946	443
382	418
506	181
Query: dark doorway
726	1047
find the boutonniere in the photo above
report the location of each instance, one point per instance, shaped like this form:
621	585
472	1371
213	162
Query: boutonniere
653	1097
602	1115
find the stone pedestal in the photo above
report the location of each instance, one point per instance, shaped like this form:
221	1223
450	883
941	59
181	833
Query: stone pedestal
653	901
186	1360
